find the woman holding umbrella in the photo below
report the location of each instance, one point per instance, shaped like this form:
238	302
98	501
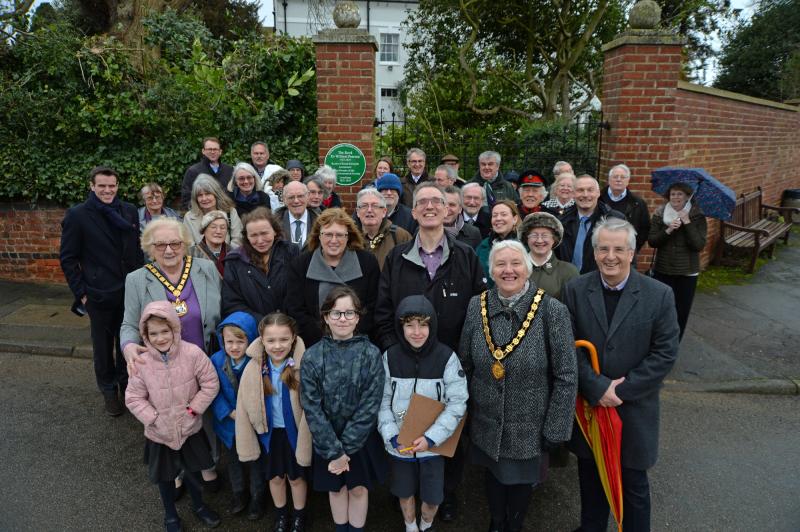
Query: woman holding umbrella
678	234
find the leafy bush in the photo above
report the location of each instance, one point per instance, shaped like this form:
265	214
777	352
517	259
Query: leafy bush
68	103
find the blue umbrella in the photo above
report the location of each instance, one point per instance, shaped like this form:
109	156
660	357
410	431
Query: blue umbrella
713	198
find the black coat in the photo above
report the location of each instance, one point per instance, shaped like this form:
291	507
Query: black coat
247	288
470	235
402	217
302	295
407	197
243	207
570	222
483	222
635	210
223	176
458	279
96	256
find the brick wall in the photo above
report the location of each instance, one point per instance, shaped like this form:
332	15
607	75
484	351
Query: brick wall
657	120
346	96
29	243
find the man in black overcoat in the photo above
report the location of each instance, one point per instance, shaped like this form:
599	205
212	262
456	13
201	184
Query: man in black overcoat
99	247
631	320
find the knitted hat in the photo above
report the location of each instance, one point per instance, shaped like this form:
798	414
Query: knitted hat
209	217
294	163
541	219
389	181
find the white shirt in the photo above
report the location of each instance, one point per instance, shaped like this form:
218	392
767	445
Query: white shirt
303	228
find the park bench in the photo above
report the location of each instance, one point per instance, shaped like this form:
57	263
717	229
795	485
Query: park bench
751	228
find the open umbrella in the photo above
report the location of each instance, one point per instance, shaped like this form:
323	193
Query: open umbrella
602	428
713	198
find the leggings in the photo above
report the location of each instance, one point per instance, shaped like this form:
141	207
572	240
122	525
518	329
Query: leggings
167	491
508	503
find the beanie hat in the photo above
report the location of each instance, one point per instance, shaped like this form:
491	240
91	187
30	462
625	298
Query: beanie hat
541	219
209	217
389	181
294	163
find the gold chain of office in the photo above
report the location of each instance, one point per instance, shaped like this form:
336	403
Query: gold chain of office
499	353
181	307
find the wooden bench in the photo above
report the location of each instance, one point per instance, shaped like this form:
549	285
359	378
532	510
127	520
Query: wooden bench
750	228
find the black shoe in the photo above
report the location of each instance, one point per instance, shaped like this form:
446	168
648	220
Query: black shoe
448	511
173	524
213	485
114	407
209	517
298	523
238	503
281	524
496	527
180	491
255	510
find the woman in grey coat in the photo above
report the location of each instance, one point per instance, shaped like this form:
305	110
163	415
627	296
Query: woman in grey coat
518	351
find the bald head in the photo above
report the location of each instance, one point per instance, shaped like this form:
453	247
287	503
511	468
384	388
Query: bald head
295	197
587	192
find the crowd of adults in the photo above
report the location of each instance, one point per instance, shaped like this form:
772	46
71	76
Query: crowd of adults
513	277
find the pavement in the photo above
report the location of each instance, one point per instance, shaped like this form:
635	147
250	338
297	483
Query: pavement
740	339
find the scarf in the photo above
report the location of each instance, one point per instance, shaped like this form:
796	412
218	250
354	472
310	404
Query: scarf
251	198
454	229
347	270
670	214
510	301
111	212
217	259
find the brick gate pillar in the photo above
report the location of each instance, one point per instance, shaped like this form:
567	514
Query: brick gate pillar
346	95
641	70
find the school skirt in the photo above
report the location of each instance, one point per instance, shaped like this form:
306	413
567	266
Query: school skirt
281	461
368	466
164	464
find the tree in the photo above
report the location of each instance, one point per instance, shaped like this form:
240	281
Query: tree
760	56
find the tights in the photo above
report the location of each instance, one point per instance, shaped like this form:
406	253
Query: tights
167	491
508	503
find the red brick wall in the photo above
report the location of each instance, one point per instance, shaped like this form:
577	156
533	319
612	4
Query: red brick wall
656	121
29	243
346	102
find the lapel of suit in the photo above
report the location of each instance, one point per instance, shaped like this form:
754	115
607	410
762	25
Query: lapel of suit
155	290
627	301
287	226
595	296
100	221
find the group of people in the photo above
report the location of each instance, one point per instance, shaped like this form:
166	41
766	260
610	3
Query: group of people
291	340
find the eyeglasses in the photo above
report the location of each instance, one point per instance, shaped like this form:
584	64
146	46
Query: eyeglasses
333	236
544	237
211	149
416	161
338	314
424	202
368	206
174	246
153	196
295	198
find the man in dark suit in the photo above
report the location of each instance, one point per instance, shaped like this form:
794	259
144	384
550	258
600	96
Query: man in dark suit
631	320
454	220
209	164
296	218
417	173
99	247
475	214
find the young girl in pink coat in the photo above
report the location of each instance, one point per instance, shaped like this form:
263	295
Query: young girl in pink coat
169	395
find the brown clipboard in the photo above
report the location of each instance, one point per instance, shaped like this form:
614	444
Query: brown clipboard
421	414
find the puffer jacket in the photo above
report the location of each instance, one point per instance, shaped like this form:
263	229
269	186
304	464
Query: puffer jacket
162	390
340	391
433	371
678	253
229	379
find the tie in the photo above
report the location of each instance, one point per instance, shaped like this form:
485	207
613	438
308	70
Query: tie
298	232
577	253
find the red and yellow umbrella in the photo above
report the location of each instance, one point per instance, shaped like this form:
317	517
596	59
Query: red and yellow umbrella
602	428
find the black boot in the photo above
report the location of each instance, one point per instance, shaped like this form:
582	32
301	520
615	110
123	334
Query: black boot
114	407
494	526
448	511
281	523
255	510
299	522
209	517
173	524
238	503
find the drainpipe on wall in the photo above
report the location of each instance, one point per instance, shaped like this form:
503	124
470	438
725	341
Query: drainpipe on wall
285	18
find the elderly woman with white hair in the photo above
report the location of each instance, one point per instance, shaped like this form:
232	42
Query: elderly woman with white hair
519	355
562	194
207	196
328	176
540	232
152	195
214	228
246	190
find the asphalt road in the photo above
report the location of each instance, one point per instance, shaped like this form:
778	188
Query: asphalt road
728	462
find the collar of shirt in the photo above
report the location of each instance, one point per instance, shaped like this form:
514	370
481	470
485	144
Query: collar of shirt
279	368
617	198
238	365
303	218
616	288
549	256
439	246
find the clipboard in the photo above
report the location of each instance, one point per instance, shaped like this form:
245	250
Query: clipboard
421	414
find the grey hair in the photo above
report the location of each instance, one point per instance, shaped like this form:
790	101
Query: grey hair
317	180
428	184
259	143
623	167
510	244
206	183
418	151
472	185
490	155
563	176
370	191
587	176
615	225
451	189
305	188
451	172
147	239
557	168
326	172
247	167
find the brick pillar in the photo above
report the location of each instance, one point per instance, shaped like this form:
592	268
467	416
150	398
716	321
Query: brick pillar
346	95
641	70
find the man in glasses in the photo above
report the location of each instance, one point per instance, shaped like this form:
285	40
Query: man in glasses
417	173
447	272
209	164
99	247
295	216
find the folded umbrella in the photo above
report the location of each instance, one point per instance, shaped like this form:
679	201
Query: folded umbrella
714	199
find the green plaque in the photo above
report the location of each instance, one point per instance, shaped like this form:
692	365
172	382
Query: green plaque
349	163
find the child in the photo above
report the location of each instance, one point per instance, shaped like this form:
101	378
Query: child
169	395
269	407
419	364
235	334
342	380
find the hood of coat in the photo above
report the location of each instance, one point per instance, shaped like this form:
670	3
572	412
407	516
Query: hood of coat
240	319
417	305
165	310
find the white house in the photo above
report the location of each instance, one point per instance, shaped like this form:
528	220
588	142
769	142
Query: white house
382	19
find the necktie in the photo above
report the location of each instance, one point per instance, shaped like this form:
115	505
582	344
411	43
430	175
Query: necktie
298	232
577	253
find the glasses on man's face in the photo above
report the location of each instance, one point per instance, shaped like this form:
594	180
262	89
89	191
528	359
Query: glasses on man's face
416	161
339	314
544	237
333	236
174	246
424	202
299	197
368	206
211	149
153	196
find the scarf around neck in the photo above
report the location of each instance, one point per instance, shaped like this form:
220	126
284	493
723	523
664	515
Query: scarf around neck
318	270
111	212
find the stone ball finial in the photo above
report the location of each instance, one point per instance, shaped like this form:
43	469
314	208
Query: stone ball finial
346	14
645	15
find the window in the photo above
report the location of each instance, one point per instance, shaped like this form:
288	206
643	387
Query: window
388	93
390	48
